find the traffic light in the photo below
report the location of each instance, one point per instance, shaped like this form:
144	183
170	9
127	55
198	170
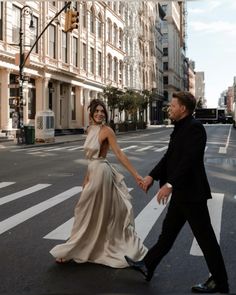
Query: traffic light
71	20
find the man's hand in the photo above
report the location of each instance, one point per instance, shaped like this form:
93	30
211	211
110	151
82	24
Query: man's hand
163	194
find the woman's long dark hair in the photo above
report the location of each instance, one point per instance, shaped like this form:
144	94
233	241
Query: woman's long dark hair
93	105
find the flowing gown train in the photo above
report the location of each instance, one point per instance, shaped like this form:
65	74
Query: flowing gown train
103	230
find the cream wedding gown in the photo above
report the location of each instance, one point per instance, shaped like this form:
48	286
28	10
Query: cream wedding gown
103	230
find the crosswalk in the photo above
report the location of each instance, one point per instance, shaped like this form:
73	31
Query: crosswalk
144	221
136	148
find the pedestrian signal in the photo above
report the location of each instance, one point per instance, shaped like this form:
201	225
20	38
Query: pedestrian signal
71	20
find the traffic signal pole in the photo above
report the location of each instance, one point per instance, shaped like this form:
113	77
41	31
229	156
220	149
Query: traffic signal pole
40	35
22	62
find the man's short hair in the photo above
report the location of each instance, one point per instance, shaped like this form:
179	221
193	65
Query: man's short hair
187	99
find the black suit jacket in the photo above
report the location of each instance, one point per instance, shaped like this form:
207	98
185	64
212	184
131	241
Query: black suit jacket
183	163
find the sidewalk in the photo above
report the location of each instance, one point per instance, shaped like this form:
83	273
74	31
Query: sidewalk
58	140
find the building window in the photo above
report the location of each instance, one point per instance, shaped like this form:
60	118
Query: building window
115	70
84	15
84	56
115	35
165	80
75	52
165	51
34	35
64	47
1	20
92	21
73	104
120	72
52	41
92	60
99	26
109	69
15	24
99	63
109	30
165	66
120	39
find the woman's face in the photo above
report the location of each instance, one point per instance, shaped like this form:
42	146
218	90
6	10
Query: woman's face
99	115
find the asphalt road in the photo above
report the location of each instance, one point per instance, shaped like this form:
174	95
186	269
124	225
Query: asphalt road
40	186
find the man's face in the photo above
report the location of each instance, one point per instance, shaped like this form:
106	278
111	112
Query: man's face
176	111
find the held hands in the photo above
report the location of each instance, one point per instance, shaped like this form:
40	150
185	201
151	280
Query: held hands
144	183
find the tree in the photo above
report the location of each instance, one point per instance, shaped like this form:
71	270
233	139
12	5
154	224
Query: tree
112	94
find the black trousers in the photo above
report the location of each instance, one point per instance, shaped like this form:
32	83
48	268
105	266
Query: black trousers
197	215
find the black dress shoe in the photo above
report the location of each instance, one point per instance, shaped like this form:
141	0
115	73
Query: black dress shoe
209	287
141	267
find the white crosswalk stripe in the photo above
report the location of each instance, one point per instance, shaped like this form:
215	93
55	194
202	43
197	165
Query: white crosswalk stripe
144	148
23	193
44	151
76	148
129	147
161	149
4	184
144	221
16	219
215	210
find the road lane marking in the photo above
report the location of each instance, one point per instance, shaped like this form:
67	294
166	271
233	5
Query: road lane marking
16	219
215	209
144	148
58	148
146	219
223	150
4	184
76	148
161	149
23	193
62	232
129	147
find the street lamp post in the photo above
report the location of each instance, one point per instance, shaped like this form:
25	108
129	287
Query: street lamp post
24	11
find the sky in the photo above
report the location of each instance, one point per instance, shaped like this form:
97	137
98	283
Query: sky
211	43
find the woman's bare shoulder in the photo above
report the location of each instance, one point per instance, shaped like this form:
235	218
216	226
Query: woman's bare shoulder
107	130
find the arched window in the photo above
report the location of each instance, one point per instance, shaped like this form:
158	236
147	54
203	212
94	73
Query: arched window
84	16
120	72
121	39
115	35
109	31
92	21
99	26
115	70
109	68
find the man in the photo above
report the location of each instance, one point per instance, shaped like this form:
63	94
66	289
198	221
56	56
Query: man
181	172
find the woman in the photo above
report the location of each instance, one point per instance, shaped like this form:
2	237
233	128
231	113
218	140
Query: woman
103	230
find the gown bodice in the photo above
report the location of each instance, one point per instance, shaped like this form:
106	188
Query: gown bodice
92	146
